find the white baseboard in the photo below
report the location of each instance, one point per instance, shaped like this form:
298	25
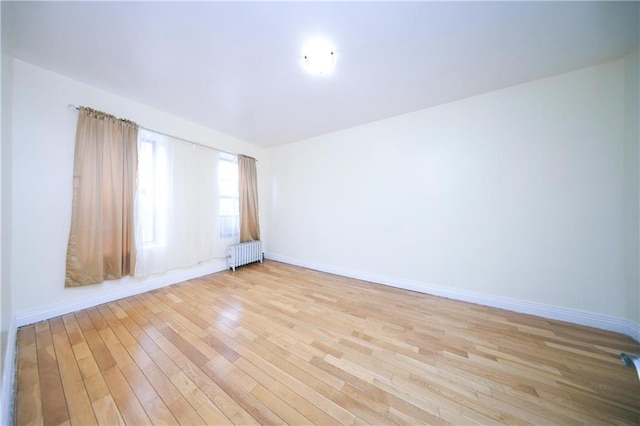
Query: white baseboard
600	321
130	289
589	319
8	376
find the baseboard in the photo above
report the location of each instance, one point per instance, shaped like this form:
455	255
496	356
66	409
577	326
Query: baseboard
130	289
574	316
600	321
632	330
8	376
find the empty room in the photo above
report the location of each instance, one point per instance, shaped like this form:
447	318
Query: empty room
320	213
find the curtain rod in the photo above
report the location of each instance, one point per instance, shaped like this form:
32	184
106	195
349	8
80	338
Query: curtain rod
77	108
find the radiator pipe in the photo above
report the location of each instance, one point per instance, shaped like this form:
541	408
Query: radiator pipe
631	361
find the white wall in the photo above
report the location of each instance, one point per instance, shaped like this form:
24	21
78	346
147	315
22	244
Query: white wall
3	111
632	184
7	343
516	193
519	193
43	143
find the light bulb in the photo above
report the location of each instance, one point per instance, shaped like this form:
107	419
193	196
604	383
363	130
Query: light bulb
319	56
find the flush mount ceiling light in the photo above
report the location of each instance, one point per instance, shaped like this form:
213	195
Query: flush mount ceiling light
319	56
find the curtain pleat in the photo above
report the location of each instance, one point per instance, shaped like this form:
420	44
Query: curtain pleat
101	240
248	191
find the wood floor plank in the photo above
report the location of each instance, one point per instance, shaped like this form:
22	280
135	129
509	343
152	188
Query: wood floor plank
28	407
99	350
172	362
78	403
185	413
199	400
277	344
159	413
54	405
129	406
107	412
289	414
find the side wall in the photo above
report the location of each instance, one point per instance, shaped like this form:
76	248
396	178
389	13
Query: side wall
7	326
515	194
632	183
43	149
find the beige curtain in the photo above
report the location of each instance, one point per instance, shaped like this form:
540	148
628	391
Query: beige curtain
248	191
101	242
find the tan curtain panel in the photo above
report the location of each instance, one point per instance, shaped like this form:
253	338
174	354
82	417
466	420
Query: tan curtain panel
248	191
101	241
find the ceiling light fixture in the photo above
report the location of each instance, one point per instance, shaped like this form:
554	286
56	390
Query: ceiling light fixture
319	56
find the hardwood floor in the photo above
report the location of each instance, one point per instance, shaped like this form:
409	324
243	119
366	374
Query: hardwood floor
274	344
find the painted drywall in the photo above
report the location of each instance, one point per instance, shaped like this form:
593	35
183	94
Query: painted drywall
7	342
516	193
43	143
632	183
3	111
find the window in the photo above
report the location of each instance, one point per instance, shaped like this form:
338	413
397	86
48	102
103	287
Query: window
187	204
229	203
151	186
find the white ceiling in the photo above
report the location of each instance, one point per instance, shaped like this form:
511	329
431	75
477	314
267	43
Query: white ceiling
237	66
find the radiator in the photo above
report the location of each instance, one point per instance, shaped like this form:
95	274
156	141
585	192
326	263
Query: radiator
243	253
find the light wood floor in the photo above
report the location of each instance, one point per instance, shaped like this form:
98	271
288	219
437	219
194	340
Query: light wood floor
276	344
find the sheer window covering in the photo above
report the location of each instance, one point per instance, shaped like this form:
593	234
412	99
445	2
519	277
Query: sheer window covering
177	205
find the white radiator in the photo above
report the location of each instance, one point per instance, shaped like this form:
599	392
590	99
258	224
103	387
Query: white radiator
244	253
